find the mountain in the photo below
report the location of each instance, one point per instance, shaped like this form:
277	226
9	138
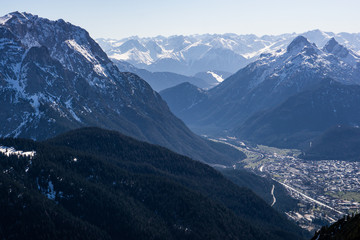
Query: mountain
312	107
346	55
183	96
254	91
162	80
55	77
340	143
305	116
94	183
179	54
188	55
346	228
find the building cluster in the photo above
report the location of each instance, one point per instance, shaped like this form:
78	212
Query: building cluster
331	182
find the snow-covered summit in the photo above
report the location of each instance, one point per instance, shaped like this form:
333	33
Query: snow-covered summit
301	56
20	17
65	42
332	46
298	43
342	52
52	72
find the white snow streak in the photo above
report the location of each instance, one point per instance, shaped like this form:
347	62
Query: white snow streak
80	49
10	151
98	68
69	107
216	76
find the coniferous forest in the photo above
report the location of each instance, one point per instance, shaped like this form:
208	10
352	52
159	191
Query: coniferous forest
97	184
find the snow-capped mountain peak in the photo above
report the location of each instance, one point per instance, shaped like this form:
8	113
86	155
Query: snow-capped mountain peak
19	17
189	55
332	46
346	55
70	45
45	63
302	56
298	43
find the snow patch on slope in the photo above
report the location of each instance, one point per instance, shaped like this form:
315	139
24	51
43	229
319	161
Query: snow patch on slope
30	41
216	76
4	19
134	54
69	107
98	68
10	151
35	103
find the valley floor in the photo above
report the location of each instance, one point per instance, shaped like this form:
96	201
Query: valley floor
326	189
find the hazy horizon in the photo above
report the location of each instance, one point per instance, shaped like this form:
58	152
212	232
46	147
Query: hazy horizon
240	34
121	19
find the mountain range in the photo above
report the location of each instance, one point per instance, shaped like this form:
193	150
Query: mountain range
163	80
282	99
188	55
54	77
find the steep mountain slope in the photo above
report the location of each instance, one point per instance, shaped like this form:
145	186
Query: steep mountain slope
200	53
347	228
161	80
270	81
301	118
27	214
119	187
340	143
55	77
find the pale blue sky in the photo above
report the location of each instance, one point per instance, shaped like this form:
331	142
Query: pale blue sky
122	18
